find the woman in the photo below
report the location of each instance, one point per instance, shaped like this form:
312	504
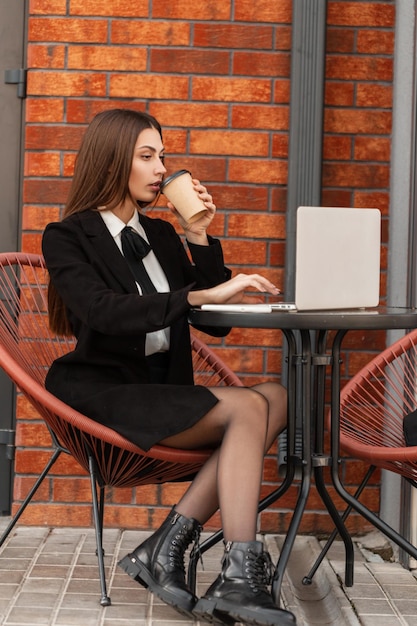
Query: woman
133	338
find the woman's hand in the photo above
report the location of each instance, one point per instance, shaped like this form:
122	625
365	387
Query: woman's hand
197	231
234	291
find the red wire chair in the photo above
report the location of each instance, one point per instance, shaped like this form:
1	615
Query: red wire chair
373	405
27	348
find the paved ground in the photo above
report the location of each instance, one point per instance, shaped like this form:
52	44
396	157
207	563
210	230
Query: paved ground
49	576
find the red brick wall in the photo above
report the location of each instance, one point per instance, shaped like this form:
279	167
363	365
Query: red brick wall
217	76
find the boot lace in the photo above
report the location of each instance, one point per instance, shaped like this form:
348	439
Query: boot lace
180	543
258	570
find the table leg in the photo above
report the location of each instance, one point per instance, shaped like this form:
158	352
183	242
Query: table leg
306	372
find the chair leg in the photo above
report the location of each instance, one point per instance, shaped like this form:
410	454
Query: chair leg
98	527
30	495
307	580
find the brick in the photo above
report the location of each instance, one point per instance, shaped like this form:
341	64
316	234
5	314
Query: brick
42	164
33	434
57	515
189	61
279	199
337	148
229	142
357	121
205	169
65	29
45	110
254	252
372	149
124	8
256	336
337	197
190	114
213	10
22	486
281	91
45	57
46	191
355	175
277	255
262	117
231	89
240	197
274	361
283	37
72	490
37	217
280	146
359	68
263	11
376	199
250	225
68	164
261	64
120	58
148	86
150	33
270	172
343	13
66	84
340	40
233	36
375	96
82	111
126	517
48	7
25	409
339	94
39	137
375	42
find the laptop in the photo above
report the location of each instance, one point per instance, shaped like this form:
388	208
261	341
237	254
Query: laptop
338	252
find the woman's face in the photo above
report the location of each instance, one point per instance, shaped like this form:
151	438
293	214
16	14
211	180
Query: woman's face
147	166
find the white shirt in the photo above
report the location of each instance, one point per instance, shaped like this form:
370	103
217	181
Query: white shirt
157	341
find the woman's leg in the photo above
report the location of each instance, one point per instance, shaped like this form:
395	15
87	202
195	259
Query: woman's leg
243	425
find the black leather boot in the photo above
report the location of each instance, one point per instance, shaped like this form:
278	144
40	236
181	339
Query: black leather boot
158	563
240	591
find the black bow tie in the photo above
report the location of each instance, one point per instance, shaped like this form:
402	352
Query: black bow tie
135	248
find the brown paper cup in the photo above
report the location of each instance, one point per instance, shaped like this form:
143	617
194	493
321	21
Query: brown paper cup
179	190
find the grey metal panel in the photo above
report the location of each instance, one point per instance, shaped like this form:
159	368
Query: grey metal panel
306	118
308	55
12	46
398	499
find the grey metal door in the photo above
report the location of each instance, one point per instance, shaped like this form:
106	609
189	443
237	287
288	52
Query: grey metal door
12	55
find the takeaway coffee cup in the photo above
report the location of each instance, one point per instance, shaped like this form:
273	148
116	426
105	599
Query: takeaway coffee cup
179	190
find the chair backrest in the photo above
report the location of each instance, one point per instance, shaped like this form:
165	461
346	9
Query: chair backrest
373	405
28	347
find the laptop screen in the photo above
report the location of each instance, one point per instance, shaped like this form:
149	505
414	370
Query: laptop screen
338	253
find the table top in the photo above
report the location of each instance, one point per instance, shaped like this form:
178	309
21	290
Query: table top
364	319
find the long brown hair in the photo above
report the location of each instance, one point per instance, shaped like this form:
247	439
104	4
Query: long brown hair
101	178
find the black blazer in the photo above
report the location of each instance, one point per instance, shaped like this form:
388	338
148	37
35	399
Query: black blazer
108	316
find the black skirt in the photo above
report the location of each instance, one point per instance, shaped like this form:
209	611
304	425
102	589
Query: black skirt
142	413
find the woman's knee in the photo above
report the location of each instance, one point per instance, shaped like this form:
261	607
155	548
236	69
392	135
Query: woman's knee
275	394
